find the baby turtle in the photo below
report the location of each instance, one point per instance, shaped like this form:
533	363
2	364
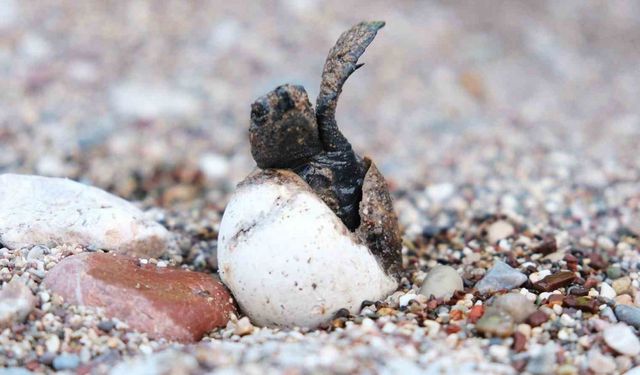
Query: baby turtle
285	133
312	231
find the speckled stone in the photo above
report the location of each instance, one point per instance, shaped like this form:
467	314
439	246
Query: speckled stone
166	302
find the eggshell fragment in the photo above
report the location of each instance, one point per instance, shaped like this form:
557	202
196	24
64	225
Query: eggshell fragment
289	260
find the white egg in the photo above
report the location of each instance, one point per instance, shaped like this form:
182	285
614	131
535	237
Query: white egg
288	259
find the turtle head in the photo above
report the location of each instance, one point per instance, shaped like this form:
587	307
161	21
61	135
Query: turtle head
283	131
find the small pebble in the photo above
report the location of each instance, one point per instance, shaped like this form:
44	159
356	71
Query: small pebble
495	323
441	282
622	285
620	337
600	363
629	315
499	230
500	277
606	291
555	281
516	305
66	362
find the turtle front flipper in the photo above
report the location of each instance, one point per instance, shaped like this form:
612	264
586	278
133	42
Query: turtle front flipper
341	62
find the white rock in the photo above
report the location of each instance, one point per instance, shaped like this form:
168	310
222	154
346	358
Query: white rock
600	363
52	344
406	298
606	291
214	166
140	100
499	230
289	260
621	338
441	282
16	302
537	276
53	211
440	192
9	12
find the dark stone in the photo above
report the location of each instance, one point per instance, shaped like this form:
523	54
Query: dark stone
537	318
555	281
546	247
583	303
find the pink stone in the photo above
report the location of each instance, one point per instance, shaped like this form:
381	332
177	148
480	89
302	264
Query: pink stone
169	303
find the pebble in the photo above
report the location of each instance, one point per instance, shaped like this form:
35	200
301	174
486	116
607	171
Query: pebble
243	327
142	101
537	276
405	299
441	282
15	371
49	211
66	362
516	305
495	323
500	277
16	302
606	291
52	344
614	272
555	281
629	315
620	337
537	318
542	359
214	166
624	299
622	285
499	230
168	302
36	252
600	363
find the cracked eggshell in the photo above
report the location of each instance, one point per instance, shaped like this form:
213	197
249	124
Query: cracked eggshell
288	259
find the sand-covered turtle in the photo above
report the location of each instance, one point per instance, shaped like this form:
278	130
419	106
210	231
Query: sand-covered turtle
312	230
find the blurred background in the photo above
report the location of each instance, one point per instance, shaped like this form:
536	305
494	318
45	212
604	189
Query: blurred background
140	96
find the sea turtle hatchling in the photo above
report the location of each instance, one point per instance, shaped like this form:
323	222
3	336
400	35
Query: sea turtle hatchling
312	230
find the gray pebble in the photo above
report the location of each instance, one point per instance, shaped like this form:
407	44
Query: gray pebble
66	362
629	315
516	305
14	371
441	282
106	325
500	277
543	359
37	252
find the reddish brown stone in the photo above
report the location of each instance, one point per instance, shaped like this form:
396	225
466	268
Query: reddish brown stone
475	313
168	303
455	314
537	318
555	299
451	328
555	281
547	247
519	342
585	303
597	261
591	283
